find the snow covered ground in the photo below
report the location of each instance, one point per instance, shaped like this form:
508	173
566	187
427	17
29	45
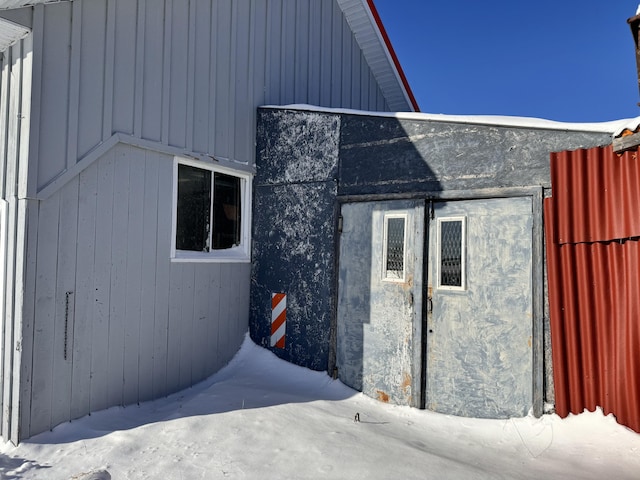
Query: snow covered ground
263	418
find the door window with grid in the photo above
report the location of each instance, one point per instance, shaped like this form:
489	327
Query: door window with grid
394	247
451	249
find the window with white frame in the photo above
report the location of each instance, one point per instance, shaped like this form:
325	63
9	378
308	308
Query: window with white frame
452	253
394	247
211	218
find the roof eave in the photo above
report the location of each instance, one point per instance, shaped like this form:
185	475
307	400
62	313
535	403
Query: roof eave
10	33
365	22
392	54
11	4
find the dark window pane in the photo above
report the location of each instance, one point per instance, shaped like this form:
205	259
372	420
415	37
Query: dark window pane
226	211
395	247
194	209
451	253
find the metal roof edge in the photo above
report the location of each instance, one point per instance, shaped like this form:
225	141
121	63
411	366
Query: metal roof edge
366	24
392	53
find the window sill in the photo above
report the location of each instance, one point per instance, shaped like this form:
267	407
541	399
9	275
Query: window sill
232	255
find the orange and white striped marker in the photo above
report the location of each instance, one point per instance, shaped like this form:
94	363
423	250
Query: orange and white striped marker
278	319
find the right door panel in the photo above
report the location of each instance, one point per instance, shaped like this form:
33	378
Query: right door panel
479	321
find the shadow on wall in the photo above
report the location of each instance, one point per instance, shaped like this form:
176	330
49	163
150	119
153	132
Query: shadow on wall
254	379
306	163
379	347
379	315
312	163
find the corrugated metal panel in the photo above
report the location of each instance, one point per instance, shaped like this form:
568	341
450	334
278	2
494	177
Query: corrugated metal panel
594	286
603	188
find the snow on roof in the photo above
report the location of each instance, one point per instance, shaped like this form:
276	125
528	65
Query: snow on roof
632	124
498	120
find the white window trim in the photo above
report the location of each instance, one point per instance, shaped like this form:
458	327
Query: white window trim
385	274
463	253
239	254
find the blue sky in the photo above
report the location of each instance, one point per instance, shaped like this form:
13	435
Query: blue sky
564	60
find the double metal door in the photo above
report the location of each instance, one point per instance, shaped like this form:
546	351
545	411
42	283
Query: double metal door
456	337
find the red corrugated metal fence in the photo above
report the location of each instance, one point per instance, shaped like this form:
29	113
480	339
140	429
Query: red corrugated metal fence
592	226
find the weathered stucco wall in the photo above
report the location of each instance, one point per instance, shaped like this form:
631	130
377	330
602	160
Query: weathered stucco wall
310	161
294	231
388	155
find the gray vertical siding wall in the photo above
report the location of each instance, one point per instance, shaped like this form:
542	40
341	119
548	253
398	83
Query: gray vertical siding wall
187	74
115	321
108	319
382	156
15	102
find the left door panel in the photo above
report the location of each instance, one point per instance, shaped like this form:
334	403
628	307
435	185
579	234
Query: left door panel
380	300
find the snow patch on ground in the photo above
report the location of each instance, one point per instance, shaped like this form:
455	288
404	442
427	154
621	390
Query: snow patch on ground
261	417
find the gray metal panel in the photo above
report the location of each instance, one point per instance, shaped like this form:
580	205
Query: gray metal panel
479	347
15	98
379	321
125	66
190	79
65	282
89	37
118	318
84	292
137	326
54	91
390	155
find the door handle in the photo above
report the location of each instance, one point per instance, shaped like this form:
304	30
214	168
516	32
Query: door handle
429	305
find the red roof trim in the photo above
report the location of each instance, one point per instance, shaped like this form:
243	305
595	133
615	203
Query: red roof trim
394	57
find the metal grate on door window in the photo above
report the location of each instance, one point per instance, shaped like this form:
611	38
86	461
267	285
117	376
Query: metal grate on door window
451	250
394	253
